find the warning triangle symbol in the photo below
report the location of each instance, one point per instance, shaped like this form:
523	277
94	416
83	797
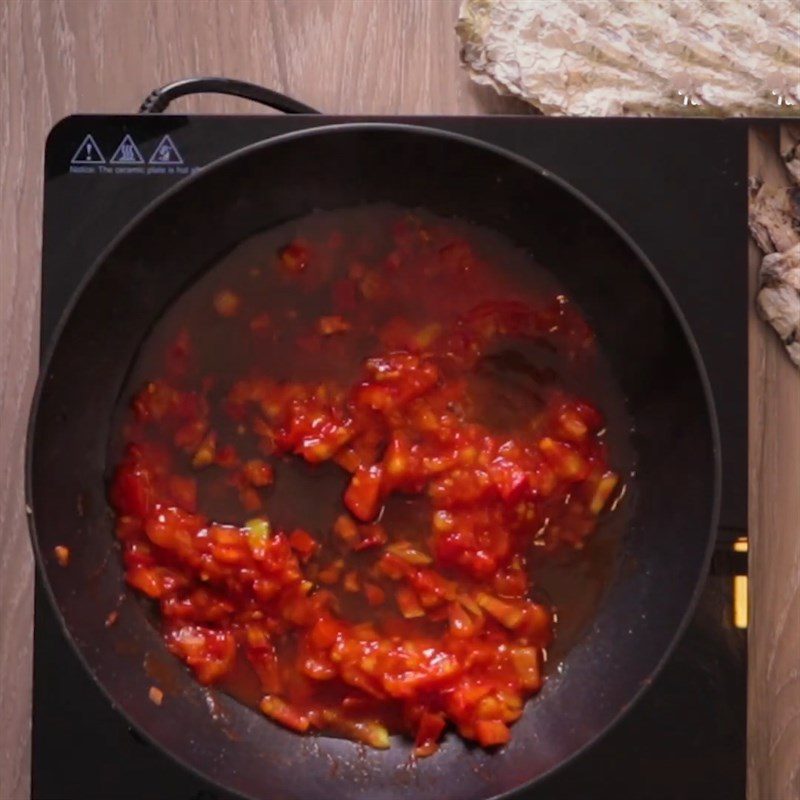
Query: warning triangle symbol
166	152
88	152
127	152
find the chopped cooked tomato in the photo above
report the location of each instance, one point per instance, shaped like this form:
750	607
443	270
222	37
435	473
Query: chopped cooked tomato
362	497
491	732
332	324
430	729
257	472
295	256
374	594
184	492
302	542
133	491
383	583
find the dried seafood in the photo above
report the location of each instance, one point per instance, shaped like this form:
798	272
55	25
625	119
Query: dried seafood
774	220
779	297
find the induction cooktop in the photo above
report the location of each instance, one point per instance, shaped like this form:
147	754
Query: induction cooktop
678	187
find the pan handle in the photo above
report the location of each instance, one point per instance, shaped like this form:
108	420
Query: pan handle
158	100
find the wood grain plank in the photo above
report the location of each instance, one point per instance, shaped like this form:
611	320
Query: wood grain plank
774	529
59	57
24	114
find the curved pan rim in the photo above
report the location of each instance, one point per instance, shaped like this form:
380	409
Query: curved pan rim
523	162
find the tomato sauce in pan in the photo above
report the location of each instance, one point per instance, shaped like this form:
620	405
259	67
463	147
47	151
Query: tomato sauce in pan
366	468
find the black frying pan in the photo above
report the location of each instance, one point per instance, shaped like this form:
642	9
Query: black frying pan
666	550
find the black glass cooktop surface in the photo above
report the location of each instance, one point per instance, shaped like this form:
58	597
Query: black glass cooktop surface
678	187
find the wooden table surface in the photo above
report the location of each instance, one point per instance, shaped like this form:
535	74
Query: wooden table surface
358	56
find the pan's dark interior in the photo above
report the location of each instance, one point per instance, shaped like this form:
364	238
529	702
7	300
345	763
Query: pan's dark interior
677	482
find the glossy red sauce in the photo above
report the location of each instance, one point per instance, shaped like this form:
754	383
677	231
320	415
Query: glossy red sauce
352	455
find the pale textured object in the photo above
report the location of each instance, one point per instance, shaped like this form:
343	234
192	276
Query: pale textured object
790	148
779	298
774	216
607	57
774	220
